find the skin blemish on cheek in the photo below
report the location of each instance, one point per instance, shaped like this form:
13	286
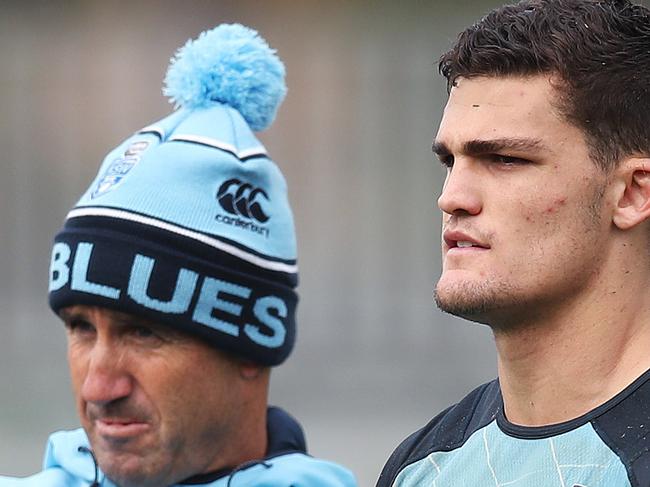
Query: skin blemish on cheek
559	202
476	106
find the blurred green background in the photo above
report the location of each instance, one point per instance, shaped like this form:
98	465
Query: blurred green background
374	359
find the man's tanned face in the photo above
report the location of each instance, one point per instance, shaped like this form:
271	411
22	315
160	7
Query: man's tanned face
157	405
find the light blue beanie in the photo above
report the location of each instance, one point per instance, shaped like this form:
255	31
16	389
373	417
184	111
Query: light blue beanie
188	221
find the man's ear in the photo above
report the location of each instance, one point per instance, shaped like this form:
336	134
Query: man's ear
250	371
633	205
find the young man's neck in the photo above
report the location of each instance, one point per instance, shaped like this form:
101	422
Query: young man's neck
578	357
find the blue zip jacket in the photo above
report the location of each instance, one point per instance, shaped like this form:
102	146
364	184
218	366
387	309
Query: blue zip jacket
69	463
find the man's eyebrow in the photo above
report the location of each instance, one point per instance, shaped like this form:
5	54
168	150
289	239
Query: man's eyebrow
66	314
70	316
440	148
495	145
477	147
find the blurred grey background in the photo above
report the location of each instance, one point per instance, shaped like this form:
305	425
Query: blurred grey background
374	360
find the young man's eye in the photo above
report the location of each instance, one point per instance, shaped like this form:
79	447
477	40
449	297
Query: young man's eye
507	160
447	161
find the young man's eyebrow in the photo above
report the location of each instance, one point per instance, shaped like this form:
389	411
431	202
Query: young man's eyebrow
440	148
476	147
496	145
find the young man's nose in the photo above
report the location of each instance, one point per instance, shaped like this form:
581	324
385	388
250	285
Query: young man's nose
461	191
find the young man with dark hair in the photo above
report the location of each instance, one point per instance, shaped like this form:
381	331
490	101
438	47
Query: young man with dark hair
546	239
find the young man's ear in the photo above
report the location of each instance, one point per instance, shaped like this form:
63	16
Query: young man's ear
633	205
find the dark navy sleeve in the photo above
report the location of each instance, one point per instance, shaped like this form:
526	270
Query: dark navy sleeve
407	450
446	432
625	428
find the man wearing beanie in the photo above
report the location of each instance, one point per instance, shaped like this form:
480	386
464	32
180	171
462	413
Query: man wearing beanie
175	277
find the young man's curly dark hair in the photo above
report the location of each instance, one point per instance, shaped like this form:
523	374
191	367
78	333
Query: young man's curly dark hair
596	52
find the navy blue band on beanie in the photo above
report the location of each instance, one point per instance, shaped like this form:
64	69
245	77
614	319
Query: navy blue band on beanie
188	221
110	264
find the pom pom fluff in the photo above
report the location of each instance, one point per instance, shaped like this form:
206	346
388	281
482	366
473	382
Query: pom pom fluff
230	64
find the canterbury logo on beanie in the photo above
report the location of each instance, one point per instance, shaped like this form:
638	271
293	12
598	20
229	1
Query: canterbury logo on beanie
243	199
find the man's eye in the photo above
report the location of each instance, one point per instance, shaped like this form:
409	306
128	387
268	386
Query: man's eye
145	334
78	326
507	160
447	161
142	332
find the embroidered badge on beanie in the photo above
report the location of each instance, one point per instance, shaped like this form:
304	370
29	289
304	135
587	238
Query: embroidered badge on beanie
188	221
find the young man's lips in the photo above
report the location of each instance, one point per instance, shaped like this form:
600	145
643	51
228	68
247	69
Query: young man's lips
457	242
120	428
465	251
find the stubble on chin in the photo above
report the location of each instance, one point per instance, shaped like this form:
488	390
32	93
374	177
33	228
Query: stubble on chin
136	478
133	466
479	302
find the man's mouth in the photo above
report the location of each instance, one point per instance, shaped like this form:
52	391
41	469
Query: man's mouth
459	240
465	244
120	428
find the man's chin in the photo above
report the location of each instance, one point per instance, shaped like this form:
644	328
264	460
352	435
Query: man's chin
128	463
489	303
472	301
130	471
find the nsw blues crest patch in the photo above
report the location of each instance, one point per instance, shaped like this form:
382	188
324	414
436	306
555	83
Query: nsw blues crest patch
119	168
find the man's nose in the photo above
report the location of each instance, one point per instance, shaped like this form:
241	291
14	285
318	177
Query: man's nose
461	192
107	379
